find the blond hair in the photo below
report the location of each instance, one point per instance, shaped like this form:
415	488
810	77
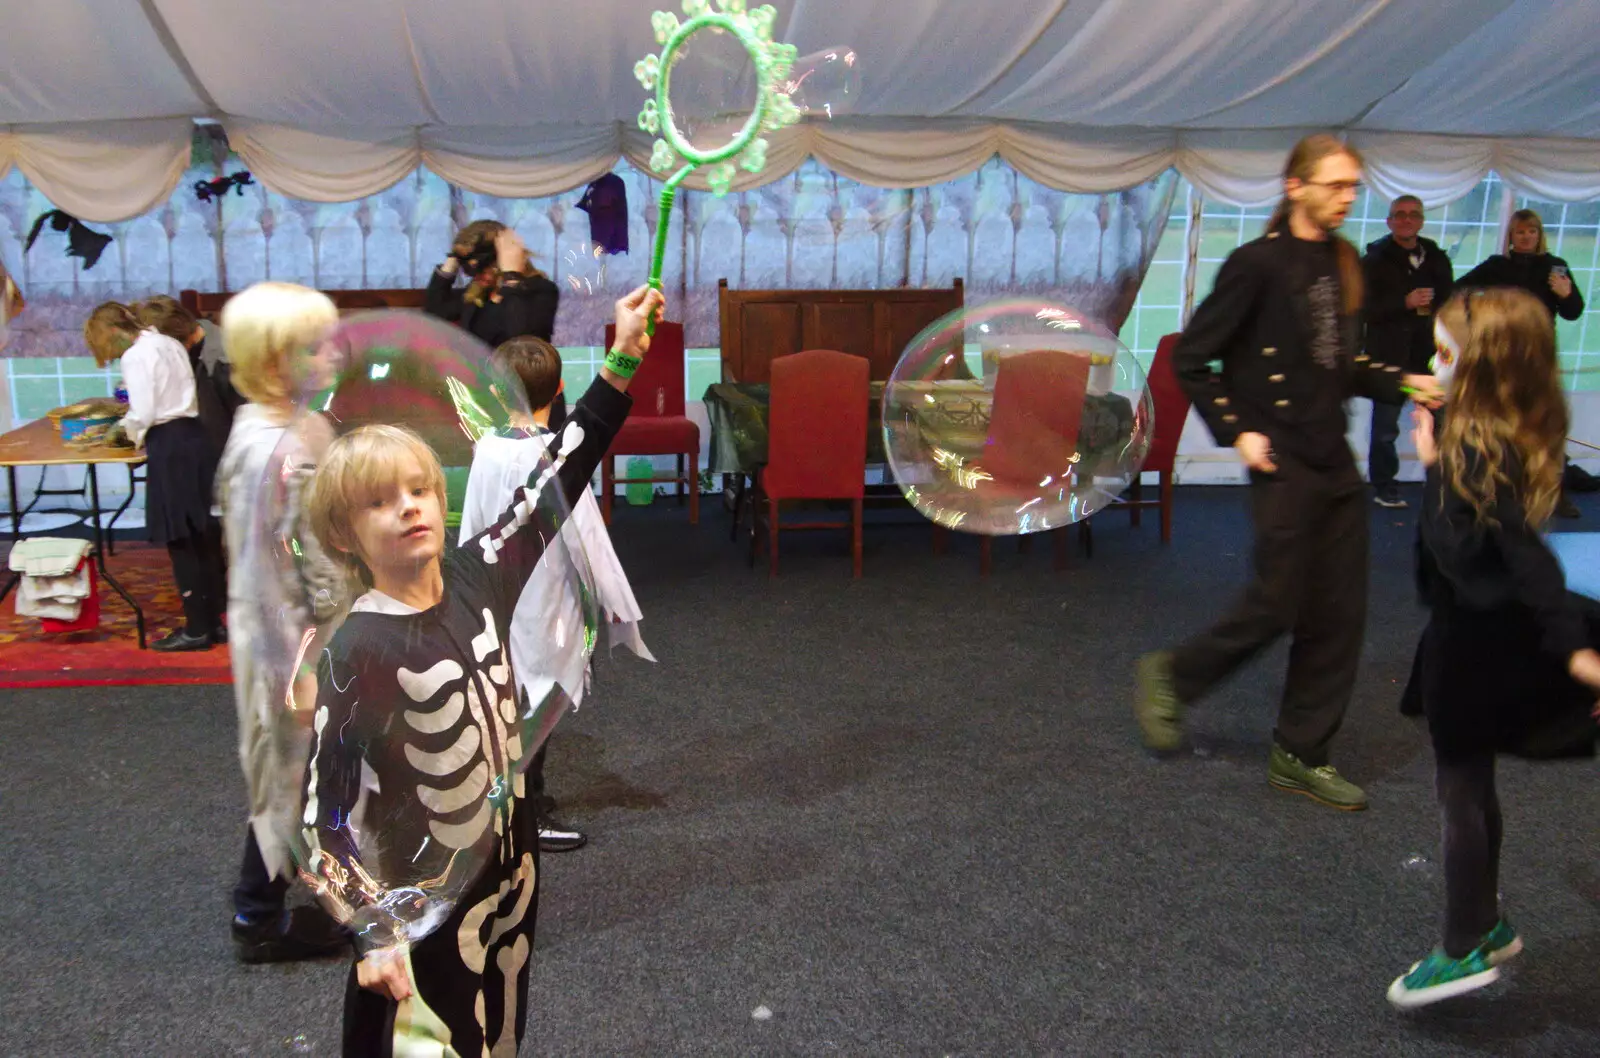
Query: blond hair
353	470
109	330
263	326
1506	404
1526	216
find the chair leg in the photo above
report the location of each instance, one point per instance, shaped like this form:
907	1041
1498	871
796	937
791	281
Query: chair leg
608	485
1135	493
855	535
1086	536
694	488
755	518
681	493
738	507
985	556
772	535
1166	506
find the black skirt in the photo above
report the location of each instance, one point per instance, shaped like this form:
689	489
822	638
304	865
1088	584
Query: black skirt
1487	686
180	473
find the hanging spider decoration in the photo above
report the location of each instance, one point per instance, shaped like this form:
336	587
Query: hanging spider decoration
773	109
206	190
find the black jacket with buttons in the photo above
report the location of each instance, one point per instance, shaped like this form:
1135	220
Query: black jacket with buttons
1257	324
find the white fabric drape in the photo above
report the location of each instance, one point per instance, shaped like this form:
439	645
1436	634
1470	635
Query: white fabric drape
101	171
112	171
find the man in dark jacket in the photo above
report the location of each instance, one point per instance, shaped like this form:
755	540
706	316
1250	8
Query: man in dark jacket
1284	323
1407	279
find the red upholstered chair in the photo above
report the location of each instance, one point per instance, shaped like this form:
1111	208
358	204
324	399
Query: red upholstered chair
657	424
1038	409
1172	410
816	443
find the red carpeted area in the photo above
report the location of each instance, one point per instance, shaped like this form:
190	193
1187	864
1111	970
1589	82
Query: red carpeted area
110	654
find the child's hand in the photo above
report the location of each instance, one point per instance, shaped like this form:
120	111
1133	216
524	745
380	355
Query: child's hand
1425	390
634	311
1585	667
1422	436
384	972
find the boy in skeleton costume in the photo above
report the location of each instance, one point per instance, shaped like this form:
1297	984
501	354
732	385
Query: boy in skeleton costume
416	727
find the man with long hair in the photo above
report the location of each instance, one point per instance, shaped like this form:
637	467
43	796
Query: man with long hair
1284	322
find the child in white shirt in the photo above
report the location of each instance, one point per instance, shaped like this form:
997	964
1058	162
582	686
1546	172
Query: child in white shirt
548	623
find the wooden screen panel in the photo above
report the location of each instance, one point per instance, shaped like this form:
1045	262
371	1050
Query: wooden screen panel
843	326
768	329
207	305
758	325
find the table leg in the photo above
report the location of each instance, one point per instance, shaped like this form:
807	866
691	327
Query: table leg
16	508
100	556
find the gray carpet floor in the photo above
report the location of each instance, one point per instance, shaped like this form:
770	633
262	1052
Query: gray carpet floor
905	815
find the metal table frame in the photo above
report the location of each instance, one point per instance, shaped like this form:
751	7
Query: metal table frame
103	543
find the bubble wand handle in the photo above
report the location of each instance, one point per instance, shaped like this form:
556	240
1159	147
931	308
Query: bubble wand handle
658	255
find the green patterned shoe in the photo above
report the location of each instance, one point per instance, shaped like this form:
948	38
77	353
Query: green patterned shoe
1288	772
1156	705
1501	943
1441	977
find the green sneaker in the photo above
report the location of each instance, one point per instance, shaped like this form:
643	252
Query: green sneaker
1288	772
1501	943
1156	705
1441	977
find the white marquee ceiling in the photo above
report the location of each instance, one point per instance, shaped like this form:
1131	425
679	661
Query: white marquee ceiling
335	99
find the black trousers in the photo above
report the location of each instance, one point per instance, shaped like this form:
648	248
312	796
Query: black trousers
257	896
1310	582
1470	811
201	572
1383	462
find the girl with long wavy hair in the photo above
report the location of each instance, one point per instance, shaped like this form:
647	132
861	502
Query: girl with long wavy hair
1507	663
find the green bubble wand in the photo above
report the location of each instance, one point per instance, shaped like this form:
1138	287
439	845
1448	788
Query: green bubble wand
773	107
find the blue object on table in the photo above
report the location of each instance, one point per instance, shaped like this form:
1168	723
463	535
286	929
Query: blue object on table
1579	555
71	428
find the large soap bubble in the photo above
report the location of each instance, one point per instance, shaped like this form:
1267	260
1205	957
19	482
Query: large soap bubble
1015	417
403	728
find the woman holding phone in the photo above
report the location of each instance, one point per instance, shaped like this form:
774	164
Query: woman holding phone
1528	263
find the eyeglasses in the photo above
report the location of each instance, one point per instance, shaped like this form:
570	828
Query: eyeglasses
1338	186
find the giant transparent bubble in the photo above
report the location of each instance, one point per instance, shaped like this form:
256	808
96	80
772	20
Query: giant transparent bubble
401	729
1015	417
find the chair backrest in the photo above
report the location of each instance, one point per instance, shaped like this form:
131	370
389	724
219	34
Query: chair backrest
1171	406
657	387
817	427
1038	408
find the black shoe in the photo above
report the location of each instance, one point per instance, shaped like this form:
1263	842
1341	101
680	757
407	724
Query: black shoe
1567	509
220	636
1389	497
299	933
181	640
554	837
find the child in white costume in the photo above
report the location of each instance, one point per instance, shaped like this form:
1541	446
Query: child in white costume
548	623
272	331
501	465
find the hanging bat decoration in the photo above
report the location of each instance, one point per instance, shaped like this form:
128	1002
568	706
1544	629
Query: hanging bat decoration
82	242
206	190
